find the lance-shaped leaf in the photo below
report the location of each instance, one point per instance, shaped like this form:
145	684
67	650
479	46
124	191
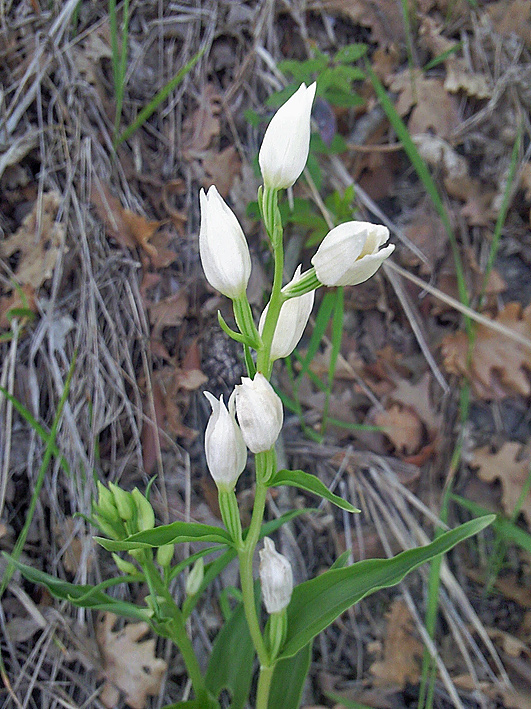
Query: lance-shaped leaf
315	604
231	663
288	680
83	596
310	483
175	533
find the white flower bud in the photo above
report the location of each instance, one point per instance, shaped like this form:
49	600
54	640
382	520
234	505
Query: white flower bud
195	577
225	449
222	246
349	254
276	578
260	413
292	320
286	143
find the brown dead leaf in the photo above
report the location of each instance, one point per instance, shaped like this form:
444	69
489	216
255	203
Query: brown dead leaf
511	17
417	397
203	124
458	75
123	225
129	666
168	312
493	354
222	169
402	427
458	78
434	108
401	650
36	243
426	231
384	18
512	473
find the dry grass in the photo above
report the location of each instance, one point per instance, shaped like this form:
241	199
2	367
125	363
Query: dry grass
56	122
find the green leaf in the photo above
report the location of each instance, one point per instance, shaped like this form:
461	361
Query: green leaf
310	483
175	533
193	704
350	53
288	680
82	596
315	604
231	663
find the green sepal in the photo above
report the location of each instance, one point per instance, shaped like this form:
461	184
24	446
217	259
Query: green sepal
232	333
310	483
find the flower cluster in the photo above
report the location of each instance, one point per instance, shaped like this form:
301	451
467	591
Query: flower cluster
349	254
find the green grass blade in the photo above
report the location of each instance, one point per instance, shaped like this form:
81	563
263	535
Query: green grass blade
424	175
36	426
155	102
48	453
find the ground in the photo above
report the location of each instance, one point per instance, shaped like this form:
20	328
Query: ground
409	394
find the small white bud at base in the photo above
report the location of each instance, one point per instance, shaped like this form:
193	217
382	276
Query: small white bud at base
222	246
349	253
292	320
276	578
225	449
195	578
286	143
259	411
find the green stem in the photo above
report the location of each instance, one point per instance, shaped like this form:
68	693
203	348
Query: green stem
264	686
177	631
245	555
263	361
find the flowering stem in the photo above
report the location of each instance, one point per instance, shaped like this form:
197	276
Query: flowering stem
176	630
274	225
264	685
246	569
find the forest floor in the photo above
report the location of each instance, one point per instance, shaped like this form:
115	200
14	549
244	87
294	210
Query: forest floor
409	394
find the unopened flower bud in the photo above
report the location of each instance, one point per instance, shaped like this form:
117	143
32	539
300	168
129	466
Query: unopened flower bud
286	143
292	320
225	450
126	567
106	504
349	254
276	578
165	554
195	577
145	515
222	246
260	413
123	501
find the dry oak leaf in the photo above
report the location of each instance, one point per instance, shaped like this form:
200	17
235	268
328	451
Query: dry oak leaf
493	353
512	473
38	242
202	125
402	427
222	169
126	227
129	666
511	17
384	18
401	650
434	108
